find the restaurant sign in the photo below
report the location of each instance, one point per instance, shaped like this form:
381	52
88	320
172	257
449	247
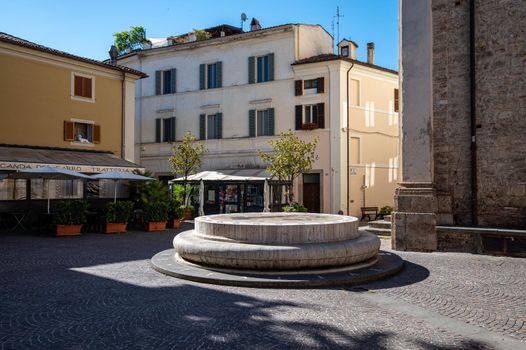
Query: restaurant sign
80	168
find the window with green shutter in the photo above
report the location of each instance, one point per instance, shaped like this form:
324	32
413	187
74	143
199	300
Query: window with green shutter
202	126
211	76
251	70
158	130
252	123
158	82
202	76
261	122
264	68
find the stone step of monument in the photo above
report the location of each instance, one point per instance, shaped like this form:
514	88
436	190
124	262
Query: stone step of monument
387	218
376	231
380	224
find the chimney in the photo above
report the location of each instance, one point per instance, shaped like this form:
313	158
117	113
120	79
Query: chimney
370	53
254	24
113	54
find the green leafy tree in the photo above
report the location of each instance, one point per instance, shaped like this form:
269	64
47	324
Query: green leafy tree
132	38
291	158
186	159
202	34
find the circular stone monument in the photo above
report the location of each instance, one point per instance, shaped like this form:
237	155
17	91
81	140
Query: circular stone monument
277	249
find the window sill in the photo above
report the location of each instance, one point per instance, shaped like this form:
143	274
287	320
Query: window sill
82	144
83	99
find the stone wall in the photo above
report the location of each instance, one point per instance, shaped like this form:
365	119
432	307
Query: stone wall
500	107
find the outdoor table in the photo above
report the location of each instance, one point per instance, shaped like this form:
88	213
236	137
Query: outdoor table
19	217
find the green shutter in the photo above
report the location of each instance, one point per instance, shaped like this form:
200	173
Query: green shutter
158	130
219	125
173	81
251	70
202	126
219	74
158	82
202	76
173	129
321	115
271	121
270	66
321	85
252	123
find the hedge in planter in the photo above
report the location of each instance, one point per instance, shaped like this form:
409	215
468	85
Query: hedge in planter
69	217
117	216
156	215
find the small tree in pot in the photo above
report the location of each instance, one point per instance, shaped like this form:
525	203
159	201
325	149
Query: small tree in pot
69	217
154	198
117	216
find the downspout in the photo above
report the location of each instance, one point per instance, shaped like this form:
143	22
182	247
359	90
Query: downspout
331	177
123	115
348	141
473	121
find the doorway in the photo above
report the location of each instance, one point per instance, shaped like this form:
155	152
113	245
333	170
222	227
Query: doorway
311	192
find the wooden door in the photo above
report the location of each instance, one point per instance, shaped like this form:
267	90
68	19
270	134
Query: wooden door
311	192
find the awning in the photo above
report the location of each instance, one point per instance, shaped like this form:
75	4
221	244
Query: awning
222	175
19	158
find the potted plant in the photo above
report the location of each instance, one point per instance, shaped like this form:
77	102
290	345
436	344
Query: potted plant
187	212
174	214
117	216
156	215
69	217
294	208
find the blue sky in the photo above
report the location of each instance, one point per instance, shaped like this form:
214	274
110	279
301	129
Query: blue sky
85	28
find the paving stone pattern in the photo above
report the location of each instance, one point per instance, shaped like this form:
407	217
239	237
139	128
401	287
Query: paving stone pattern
98	291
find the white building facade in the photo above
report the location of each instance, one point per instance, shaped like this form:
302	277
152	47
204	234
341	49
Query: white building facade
238	92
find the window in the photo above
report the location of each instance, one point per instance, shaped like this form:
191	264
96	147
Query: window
165	81
211	126
311	84
261	122
345	51
165	129
310	116
211	76
261	68
83	87
81	132
396	100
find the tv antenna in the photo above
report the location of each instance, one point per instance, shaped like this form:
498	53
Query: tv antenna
338	16
243	19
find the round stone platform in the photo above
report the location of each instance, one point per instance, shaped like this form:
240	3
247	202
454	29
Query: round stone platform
386	264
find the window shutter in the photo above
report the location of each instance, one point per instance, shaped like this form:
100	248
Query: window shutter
321	115
158	82
396	100
270	66
158	130
298	87
173	129
202	126
252	123
173	81
271	121
69	130
299	116
87	88
219	68
202	76
251	70
219	125
321	85
78	86
96	133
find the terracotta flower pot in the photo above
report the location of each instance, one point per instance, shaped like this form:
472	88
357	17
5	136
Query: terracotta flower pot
68	230
112	227
156	226
174	223
188	214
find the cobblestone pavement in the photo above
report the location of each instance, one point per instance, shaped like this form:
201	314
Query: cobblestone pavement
99	291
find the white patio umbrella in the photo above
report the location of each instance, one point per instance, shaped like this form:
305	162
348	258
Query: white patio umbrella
48	173
116	176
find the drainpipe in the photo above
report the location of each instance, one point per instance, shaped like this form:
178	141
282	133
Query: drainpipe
123	116
348	141
473	121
